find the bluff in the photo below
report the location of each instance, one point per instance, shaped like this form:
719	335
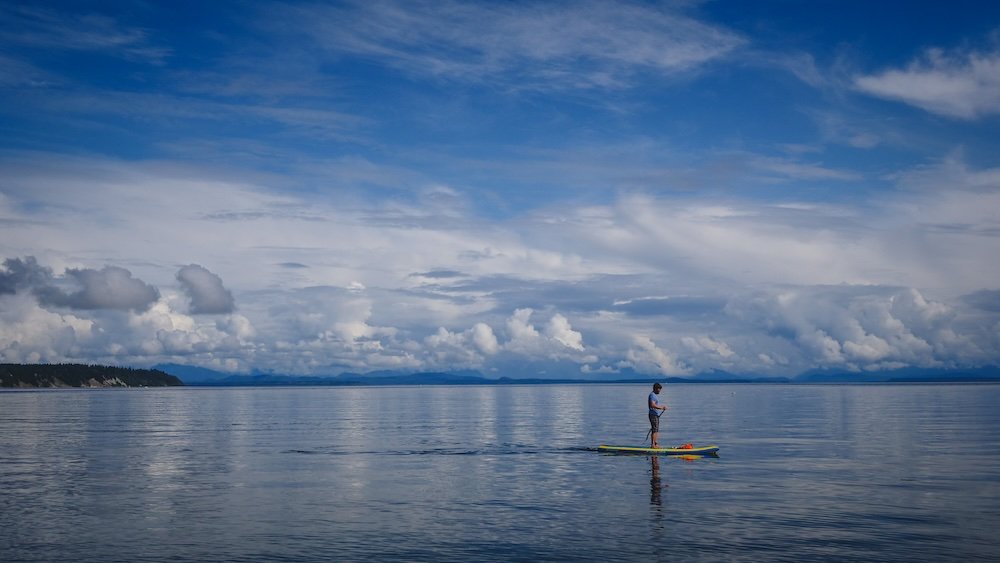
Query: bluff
79	375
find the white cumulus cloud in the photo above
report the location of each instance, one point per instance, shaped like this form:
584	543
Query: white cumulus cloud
559	329
707	344
645	356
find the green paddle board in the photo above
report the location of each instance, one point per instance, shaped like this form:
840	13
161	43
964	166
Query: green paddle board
695	450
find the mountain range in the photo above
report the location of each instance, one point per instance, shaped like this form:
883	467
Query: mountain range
193	375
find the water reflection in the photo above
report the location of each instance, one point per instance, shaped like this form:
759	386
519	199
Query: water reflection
655	486
497	474
658	511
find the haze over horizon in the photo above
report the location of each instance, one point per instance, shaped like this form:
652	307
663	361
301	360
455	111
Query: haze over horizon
528	189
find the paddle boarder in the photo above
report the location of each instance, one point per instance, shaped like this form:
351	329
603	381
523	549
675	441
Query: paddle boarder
655	410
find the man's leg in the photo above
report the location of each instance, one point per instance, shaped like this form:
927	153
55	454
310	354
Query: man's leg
654	430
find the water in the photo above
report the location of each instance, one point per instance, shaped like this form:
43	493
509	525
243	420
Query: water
862	472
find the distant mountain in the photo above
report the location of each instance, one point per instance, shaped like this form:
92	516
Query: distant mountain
382	378
910	374
721	376
191	375
78	375
421	378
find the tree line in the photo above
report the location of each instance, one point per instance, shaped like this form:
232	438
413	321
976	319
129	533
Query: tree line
81	375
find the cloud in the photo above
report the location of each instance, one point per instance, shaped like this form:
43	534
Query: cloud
964	85
590	44
984	299
111	287
800	171
707	344
951	174
162	331
323	329
23	274
570	285
858	327
438	274
40	27
801	65
327	330
679	306
108	288
522	334
646	357
205	289
484	339
31	332
558	341
158	109
558	329
546	233
17	73
468	348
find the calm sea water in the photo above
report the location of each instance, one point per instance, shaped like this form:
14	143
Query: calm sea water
856	472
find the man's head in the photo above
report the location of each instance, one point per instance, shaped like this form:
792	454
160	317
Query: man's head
657	387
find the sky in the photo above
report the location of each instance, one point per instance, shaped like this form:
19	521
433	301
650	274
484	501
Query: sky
528	189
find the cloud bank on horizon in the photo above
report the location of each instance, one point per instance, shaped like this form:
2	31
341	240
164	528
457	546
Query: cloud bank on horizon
528	189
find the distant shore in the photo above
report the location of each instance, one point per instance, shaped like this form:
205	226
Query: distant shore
34	376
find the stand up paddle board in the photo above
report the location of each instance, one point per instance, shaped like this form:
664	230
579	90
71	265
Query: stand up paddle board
696	450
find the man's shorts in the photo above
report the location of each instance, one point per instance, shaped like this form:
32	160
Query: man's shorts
654	423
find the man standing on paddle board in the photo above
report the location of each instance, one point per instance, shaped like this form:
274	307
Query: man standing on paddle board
655	410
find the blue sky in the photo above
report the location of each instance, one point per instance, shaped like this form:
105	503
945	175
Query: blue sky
529	189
